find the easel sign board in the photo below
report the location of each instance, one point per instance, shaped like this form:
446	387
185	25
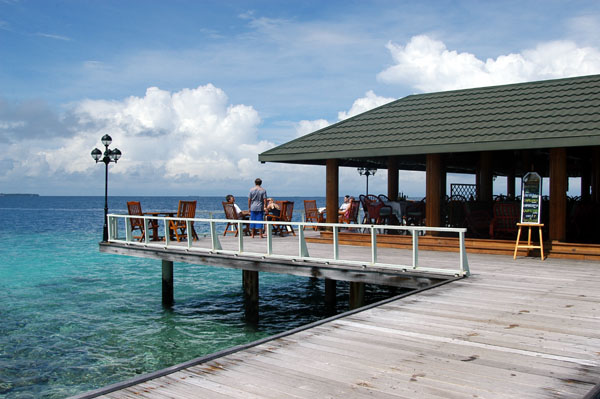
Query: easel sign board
531	198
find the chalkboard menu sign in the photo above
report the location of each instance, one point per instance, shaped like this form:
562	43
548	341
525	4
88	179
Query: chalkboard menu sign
531	198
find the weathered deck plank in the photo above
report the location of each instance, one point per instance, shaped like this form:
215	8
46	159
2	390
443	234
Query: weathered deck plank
514	329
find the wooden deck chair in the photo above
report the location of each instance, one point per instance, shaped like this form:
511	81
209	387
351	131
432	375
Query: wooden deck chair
186	209
351	215
277	229
506	217
231	214
135	208
286	212
287	215
311	212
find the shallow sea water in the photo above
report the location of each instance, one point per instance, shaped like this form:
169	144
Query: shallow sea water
73	319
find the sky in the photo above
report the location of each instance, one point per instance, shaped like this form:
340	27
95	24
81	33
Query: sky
192	91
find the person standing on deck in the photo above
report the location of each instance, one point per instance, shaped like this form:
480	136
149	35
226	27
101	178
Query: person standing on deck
256	204
241	214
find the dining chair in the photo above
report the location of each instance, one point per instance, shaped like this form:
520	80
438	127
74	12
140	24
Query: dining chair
186	209
134	208
231	214
311	212
351	215
288	215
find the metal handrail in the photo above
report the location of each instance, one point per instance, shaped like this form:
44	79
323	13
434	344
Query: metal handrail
303	254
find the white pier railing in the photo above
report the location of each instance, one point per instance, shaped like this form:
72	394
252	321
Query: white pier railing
210	227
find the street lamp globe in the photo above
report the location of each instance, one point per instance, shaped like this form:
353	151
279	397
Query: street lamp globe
106	140
115	155
96	154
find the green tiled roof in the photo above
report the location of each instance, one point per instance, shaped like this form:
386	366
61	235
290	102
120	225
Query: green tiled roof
544	114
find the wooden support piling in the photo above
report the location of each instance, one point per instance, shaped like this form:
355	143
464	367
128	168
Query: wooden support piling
330	294
167	283
250	285
357	295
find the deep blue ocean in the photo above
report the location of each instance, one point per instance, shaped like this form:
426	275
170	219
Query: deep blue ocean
73	319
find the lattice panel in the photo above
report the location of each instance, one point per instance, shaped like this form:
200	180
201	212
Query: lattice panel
466	190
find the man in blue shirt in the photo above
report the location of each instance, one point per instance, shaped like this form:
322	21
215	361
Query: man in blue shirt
256	204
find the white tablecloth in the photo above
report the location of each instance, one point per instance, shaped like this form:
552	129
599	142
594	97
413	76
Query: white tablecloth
398	208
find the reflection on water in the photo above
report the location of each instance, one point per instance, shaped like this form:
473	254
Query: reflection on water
73	319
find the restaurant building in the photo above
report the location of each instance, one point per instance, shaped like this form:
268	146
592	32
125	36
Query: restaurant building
551	127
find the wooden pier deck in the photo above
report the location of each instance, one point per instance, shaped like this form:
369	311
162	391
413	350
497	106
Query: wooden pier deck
514	329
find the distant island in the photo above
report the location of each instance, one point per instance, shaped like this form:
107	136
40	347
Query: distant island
18	195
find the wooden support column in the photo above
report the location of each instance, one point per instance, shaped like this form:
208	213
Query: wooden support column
332	190
330	294
586	181
558	194
250	285
392	188
167	283
357	295
443	182
433	190
485	189
510	184
596	174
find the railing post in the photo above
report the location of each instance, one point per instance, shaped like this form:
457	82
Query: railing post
373	245
128	232
167	233
336	247
146	235
302	248
188	229
415	249
269	239
464	263
240	237
216	245
111	233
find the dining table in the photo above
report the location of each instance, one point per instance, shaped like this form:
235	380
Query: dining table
155	236
398	208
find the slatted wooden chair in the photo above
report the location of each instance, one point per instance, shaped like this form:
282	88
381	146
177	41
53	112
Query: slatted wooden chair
137	224
186	209
231	214
478	218
415	213
311	212
456	213
376	211
351	215
286	211
288	214
506	217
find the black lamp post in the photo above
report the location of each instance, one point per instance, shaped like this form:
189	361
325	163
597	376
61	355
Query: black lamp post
108	157
367	172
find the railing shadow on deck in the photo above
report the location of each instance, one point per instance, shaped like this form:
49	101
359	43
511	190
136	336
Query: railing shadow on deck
213	228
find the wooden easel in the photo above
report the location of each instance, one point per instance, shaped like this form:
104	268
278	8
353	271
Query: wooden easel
529	245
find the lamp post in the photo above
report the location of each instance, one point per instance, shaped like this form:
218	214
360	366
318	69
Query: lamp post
367	172
108	157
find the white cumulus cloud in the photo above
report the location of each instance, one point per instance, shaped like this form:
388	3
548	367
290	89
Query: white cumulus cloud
360	105
428	65
363	104
304	127
175	136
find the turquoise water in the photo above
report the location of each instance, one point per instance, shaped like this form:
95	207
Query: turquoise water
73	319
